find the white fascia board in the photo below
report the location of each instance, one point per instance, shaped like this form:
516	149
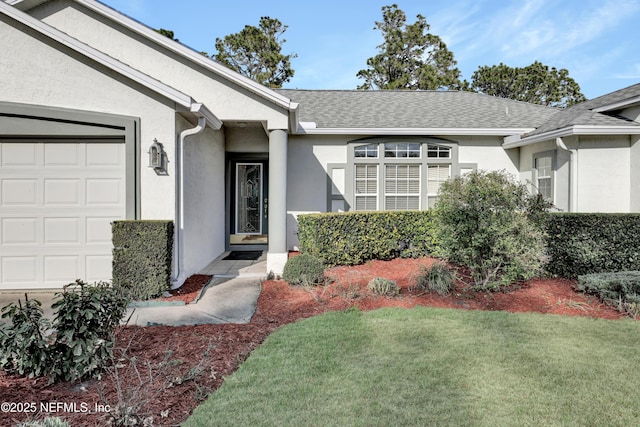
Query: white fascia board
97	56
309	128
184	51
515	141
617	105
201	110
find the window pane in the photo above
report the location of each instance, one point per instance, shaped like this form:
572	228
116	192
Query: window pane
402	150
438	151
366	187
437	174
544	173
370	151
402	187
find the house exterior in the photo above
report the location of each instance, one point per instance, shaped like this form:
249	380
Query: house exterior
90	98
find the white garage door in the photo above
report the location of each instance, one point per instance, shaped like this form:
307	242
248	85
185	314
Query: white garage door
58	200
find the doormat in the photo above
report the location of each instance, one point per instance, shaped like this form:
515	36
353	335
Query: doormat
243	256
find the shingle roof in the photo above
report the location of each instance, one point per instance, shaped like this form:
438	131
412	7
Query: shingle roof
414	109
583	114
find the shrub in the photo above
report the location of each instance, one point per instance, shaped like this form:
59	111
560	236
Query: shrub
303	269
381	286
85	320
436	278
483	222
355	237
585	243
142	253
75	345
25	347
621	289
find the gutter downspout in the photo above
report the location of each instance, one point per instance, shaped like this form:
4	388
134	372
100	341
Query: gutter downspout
180	275
573	169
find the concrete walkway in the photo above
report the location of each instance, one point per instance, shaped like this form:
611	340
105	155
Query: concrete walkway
230	297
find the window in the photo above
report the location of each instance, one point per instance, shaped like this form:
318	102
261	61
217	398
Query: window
366	191
438	151
402	187
370	151
436	175
402	150
543	166
400	173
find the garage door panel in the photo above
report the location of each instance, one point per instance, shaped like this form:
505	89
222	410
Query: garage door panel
98	267
20	270
62	230
104	191
60	268
19	154
62	155
58	202
105	155
19	192
62	192
99	229
20	231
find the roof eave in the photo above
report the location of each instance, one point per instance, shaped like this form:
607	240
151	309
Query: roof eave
310	128
617	105
516	141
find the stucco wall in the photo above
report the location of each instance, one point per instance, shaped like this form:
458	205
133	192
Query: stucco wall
226	101
486	152
635	174
311	156
604	174
204	210
246	140
562	171
44	73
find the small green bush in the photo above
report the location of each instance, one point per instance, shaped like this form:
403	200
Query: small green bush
382	286
436	278
620	289
355	237
75	345
304	269
25	345
85	319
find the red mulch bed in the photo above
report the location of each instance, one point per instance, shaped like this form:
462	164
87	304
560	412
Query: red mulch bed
190	289
165	355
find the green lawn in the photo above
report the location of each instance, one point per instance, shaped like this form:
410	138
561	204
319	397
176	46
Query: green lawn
436	367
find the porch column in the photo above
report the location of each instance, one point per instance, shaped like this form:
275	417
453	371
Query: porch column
277	255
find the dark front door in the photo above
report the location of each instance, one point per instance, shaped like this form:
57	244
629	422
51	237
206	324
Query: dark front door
249	203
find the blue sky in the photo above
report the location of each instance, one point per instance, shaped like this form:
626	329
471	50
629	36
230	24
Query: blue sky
598	41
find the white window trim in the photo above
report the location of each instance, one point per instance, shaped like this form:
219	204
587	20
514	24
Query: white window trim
536	178
381	161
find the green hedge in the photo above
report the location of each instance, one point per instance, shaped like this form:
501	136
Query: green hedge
577	243
584	243
355	237
142	253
